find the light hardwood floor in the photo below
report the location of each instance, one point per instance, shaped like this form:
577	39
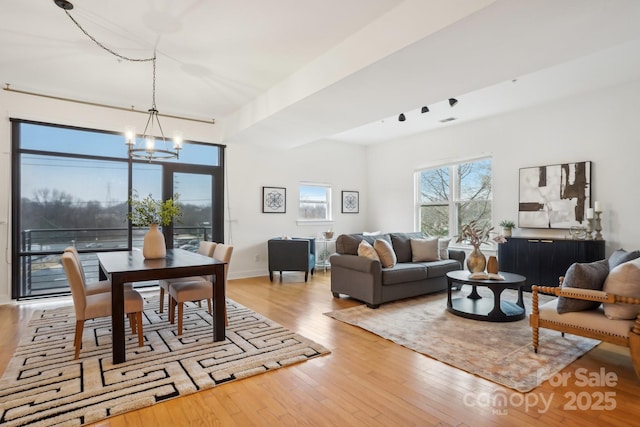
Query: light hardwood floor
367	380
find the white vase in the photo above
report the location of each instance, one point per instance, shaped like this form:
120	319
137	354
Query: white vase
154	245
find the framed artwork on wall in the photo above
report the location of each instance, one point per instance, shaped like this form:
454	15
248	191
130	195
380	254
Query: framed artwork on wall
274	200
350	202
554	196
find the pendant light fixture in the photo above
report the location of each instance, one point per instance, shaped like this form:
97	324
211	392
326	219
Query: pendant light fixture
143	147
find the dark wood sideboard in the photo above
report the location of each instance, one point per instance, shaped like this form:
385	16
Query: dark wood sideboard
543	261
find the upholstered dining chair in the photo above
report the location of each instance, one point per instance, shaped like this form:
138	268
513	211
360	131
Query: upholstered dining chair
97	305
92	288
206	248
197	290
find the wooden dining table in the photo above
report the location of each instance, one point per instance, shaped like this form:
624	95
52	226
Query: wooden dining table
130	266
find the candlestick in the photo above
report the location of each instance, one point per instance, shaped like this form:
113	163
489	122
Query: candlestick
597	207
589	227
590	213
598	225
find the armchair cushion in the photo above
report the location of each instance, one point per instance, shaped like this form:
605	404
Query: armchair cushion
621	256
584	276
624	280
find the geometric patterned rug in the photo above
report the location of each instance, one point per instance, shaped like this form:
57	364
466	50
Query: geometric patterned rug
43	385
499	352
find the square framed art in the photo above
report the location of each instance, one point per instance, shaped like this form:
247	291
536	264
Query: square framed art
350	202
274	200
554	196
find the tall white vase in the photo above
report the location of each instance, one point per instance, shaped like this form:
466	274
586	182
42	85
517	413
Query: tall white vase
154	246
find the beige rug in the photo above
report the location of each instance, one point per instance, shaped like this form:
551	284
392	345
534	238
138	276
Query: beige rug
44	386
500	352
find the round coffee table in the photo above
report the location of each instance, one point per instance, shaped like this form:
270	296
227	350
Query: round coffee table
476	307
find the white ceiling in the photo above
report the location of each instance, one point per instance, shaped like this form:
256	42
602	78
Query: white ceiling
282	73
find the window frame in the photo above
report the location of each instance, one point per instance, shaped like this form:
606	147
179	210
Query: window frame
328	203
453	193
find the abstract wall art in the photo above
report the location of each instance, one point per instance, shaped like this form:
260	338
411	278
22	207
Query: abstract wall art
554	196
274	200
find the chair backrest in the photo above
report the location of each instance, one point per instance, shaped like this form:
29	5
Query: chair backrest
76	282
206	248
223	253
74	252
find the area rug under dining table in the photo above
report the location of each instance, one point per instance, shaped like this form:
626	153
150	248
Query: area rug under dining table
44	386
500	352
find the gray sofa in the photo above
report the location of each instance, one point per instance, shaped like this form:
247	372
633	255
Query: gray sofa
366	280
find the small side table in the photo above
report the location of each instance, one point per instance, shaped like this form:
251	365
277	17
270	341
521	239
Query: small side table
322	258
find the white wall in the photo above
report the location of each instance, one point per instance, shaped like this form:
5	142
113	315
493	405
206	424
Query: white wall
602	127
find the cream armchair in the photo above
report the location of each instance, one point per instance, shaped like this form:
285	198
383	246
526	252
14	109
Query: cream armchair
590	323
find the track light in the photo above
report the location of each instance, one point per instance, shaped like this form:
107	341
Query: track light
401	117
425	109
452	101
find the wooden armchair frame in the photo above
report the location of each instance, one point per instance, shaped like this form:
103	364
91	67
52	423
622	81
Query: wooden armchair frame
574	326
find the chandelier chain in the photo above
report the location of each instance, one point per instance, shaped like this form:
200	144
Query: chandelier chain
111	51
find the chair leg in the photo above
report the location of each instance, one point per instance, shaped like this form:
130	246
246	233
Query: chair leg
172	310
162	300
306	275
132	322
77	342
271	276
139	324
209	306
180	311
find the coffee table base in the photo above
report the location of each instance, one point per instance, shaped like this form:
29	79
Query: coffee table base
484	309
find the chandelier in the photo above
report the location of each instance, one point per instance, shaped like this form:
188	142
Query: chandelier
143	146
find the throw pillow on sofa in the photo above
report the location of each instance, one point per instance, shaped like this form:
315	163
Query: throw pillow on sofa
425	250
385	253
443	248
623	280
365	249
585	276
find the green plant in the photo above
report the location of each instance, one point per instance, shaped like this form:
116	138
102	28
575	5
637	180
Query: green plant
507	224
147	211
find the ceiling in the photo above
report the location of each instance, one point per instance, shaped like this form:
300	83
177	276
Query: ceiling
282	73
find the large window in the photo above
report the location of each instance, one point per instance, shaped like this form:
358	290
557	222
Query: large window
70	187
315	202
451	195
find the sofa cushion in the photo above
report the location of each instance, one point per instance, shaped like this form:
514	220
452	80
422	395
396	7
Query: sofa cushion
385	253
402	244
366	250
403	272
623	280
621	256
441	268
443	247
585	276
424	250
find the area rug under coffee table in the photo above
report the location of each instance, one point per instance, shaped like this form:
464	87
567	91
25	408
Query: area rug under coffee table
500	352
44	386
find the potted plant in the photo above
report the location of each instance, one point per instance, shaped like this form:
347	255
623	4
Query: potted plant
152	213
507	226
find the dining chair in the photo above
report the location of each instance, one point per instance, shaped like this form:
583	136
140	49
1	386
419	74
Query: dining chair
92	288
206	248
97	305
197	290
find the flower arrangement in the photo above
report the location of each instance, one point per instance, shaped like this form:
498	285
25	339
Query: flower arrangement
147	211
476	235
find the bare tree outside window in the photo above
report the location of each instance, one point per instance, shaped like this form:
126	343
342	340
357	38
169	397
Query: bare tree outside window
453	195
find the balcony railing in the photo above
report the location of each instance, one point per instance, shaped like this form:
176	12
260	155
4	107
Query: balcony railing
41	271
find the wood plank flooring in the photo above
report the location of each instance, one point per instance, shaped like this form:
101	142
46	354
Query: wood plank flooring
367	380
